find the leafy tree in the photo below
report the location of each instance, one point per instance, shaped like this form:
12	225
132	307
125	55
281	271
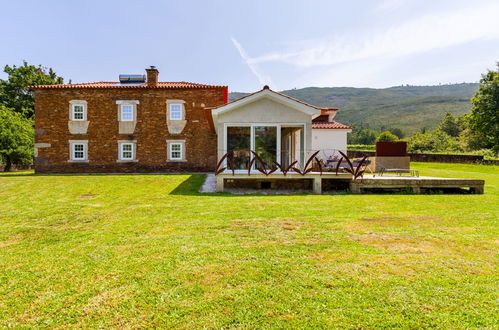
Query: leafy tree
484	119
363	136
450	125
14	92
386	136
436	141
398	132
16	138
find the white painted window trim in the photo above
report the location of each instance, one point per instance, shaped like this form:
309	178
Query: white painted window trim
123	151
179	111
169	104
121	143
122	112
252	136
172	144
72	145
169	150
72	105
133	104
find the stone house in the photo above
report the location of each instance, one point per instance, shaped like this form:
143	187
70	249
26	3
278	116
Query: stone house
138	124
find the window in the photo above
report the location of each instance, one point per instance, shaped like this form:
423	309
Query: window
175	151
175	111
78	151
78	112
127	112
239	145
127	151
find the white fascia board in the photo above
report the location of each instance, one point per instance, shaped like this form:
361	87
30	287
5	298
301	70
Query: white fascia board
347	130
269	95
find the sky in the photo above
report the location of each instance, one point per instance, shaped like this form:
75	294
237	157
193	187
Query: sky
247	44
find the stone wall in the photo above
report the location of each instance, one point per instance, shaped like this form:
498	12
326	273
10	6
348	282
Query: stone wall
433	158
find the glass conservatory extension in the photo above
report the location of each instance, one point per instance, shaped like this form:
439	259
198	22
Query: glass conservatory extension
281	143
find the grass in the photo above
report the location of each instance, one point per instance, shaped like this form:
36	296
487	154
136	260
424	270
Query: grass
149	251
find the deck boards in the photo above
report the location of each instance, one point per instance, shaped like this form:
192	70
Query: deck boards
368	182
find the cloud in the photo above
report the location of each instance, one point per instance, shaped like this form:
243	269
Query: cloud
263	79
388	6
426	33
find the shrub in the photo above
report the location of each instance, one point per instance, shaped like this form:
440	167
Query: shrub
436	141
387	136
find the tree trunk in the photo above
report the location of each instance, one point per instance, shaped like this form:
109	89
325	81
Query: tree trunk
8	164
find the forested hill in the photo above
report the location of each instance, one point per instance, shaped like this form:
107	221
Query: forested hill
409	108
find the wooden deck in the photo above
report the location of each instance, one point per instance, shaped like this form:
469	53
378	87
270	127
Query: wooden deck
413	184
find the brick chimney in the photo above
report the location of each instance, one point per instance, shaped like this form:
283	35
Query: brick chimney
330	112
152	76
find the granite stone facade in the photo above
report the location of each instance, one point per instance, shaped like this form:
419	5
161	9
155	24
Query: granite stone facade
103	131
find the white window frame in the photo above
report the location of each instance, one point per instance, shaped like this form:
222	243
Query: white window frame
72	113
132	112
133	104
169	104
121	150
180	111
171	151
252	144
78	113
72	150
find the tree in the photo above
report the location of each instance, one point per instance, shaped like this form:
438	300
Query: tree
16	138
450	125
14	92
484	119
398	132
386	136
363	136
436	141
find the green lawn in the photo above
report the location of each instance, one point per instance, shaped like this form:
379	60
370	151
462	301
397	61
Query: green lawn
149	251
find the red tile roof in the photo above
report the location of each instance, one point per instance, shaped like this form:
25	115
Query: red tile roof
112	84
321	122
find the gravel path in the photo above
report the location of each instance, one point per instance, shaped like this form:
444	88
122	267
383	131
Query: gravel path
210	184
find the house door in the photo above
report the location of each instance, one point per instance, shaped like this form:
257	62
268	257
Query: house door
265	144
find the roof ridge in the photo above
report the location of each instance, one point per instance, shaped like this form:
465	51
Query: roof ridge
117	84
266	87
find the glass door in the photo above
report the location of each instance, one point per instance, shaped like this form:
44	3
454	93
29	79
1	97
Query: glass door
239	146
265	145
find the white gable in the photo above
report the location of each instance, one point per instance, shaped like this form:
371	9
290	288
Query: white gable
267	94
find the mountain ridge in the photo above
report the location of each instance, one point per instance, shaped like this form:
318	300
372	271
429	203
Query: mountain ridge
409	108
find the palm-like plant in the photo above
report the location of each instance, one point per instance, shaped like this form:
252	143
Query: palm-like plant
220	169
355	171
263	169
306	169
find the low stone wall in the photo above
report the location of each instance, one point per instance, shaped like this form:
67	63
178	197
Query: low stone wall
433	158
76	168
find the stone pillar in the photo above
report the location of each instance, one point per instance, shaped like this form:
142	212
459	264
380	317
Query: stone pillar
355	188
220	183
477	189
416	190
318	185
